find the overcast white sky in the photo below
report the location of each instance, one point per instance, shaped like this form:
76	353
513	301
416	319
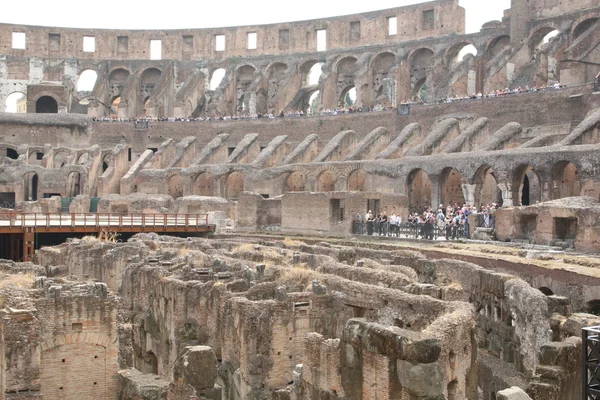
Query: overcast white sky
180	14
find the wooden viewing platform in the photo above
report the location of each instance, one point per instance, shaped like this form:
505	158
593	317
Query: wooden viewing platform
18	230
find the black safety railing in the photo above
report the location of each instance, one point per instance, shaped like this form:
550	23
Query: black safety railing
409	230
591	363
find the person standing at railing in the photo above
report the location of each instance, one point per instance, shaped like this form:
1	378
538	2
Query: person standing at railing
370	221
383	225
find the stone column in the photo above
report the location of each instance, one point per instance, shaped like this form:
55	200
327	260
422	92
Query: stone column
469	193
436	190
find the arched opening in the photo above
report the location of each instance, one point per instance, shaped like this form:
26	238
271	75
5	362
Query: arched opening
584	26
326	181
420	62
453	390
60	158
357	181
244	76
346	69
541	37
419	191
566	181
546	290
458	52
46	105
384	84
234	185
593	307
486	187
16	102
451	189
150	363
117	81
348	97
12	153
30	186
83	158
87	80
175	186
149	80
296	182
310	103
217	78
497	45
528	183
204	185
74	184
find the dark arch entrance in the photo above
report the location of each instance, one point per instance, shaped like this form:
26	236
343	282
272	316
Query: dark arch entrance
525	195
46	105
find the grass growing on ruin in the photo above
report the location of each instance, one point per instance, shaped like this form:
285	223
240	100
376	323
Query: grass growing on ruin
298	277
24	281
292	243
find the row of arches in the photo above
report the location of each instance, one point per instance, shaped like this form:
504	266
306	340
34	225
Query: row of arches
527	185
31	182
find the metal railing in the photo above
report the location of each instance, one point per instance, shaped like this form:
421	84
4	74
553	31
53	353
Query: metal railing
6	205
102	221
415	231
591	363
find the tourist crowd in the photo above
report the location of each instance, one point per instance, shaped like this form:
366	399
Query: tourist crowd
244	116
451	222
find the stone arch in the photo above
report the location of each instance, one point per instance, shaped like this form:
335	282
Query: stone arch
566	180
86	80
276	75
496	45
357	180
244	76
149	80
420	61
46	105
30	186
326	181
107	161
486	186
296	181
308	74
117	79
346	69
418	187
61	157
82	158
148	363
12	102
310	101
74	184
204	184
234	185
583	26
451	187
348	96
453	52
526	186
537	37
35	154
384	84
175	185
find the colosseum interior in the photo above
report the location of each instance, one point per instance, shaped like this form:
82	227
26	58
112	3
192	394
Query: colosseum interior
190	226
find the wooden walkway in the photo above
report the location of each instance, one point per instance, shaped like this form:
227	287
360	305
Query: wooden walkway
18	230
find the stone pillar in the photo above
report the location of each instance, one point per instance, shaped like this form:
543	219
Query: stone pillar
507	193
436	190
403	88
469	193
341	184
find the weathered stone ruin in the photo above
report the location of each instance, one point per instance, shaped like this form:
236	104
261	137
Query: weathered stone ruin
245	318
250	135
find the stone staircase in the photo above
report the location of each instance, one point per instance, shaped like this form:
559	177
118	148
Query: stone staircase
559	368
